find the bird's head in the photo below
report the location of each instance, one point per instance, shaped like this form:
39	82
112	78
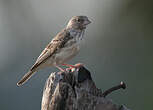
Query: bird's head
78	22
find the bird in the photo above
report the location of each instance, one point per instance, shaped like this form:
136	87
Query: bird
63	47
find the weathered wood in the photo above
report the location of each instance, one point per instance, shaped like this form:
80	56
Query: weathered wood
75	90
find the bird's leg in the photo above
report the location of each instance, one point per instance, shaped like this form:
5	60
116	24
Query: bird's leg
73	66
61	69
68	65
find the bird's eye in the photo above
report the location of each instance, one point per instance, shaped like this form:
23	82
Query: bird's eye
79	20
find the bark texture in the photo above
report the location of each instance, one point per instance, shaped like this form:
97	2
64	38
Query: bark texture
75	90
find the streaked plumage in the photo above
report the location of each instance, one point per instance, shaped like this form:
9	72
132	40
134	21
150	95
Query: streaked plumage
63	47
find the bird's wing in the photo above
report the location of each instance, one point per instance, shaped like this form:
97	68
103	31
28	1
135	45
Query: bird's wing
58	42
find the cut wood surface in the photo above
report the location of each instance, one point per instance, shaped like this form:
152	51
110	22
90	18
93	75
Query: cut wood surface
75	90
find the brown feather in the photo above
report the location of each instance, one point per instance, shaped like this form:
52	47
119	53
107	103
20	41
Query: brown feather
25	78
57	43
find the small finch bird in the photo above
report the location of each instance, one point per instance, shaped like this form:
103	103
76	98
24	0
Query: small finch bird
63	47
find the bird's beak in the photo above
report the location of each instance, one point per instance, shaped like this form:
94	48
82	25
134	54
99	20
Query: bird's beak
87	22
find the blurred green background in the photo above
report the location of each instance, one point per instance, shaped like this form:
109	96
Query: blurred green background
118	46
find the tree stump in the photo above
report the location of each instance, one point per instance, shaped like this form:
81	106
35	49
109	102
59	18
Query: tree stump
75	90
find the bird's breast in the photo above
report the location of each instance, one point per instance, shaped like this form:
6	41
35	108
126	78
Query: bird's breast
77	34
70	49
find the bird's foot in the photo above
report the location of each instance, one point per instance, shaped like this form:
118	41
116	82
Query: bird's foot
71	67
61	69
78	65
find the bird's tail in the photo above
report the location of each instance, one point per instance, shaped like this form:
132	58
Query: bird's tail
25	78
